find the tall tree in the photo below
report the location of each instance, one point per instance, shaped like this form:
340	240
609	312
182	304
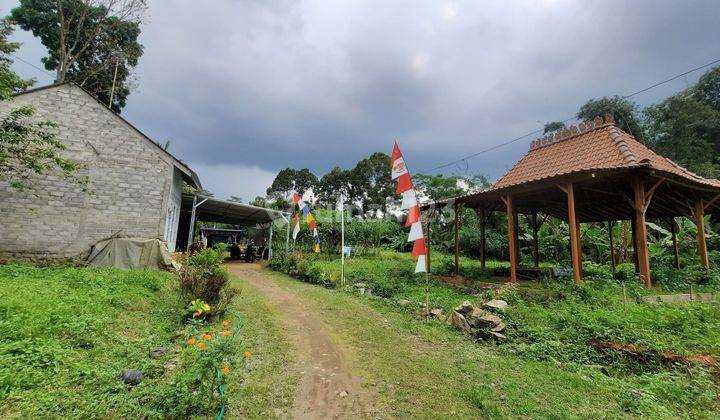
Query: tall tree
335	183
370	181
686	126
90	42
438	187
553	126
624	111
291	180
27	147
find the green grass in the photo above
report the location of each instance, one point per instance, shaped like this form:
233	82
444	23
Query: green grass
66	333
427	370
267	386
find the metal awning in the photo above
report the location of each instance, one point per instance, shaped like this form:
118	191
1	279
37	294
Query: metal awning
210	209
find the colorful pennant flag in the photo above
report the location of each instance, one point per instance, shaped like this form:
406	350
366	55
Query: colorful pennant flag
304	209
409	202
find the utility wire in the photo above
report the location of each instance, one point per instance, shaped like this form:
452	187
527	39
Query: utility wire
540	130
32	65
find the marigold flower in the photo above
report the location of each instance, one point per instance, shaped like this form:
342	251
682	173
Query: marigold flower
196	314
207	337
247	354
201	345
191	342
225	370
225	323
227	332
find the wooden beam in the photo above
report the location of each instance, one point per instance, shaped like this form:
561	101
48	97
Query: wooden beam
456	228
711	201
612	245
676	251
643	256
575	249
512	245
483	220
699	214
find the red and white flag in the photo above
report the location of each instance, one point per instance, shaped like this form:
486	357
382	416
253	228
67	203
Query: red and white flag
409	202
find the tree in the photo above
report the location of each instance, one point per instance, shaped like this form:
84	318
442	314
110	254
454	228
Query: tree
624	111
370	180
551	127
90	42
291	180
438	187
27	147
708	88
335	183
686	127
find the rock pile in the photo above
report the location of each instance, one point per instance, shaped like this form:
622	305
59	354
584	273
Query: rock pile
480	323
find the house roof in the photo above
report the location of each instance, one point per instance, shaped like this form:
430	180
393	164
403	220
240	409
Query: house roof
591	146
189	175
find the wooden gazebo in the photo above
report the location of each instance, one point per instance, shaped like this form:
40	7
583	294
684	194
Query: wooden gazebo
593	172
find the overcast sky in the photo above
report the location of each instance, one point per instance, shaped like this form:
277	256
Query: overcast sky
243	89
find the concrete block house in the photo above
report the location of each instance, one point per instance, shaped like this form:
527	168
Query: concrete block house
137	185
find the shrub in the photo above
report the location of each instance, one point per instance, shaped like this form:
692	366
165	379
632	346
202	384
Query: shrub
202	277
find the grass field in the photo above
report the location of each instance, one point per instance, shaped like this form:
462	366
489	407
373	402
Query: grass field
66	333
553	322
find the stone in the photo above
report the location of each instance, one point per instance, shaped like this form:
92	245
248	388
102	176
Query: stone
360	285
131	376
158	352
498	328
499	338
403	302
343	394
474	317
435	313
464	308
496	305
489	321
459	321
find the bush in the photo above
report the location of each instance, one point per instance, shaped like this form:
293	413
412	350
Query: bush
202	277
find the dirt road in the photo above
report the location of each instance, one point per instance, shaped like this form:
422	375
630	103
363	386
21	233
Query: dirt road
328	387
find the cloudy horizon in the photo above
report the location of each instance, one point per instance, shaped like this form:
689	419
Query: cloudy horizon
246	88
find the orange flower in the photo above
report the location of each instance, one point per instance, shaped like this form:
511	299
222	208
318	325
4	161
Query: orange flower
207	337
201	345
247	354
191	342
196	314
225	323
227	332
225	370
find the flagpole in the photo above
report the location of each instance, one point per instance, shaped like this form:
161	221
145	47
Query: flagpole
342	240
427	273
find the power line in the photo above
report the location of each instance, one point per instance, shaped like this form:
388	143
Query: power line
33	65
540	130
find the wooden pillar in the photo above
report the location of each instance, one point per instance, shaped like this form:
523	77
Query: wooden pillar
642	254
575	248
536	248
612	245
578	236
456	227
676	250
482	238
512	237
700	223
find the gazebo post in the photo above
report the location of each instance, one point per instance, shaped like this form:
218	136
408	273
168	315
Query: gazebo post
482	238
676	251
612	245
643	258
699	214
575	246
512	237
456	227
535	228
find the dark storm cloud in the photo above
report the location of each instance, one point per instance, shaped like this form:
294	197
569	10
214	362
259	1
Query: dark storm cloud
265	85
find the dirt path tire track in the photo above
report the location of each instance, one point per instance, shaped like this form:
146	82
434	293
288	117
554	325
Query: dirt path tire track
328	387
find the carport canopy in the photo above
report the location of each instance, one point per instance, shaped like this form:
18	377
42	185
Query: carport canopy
211	209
